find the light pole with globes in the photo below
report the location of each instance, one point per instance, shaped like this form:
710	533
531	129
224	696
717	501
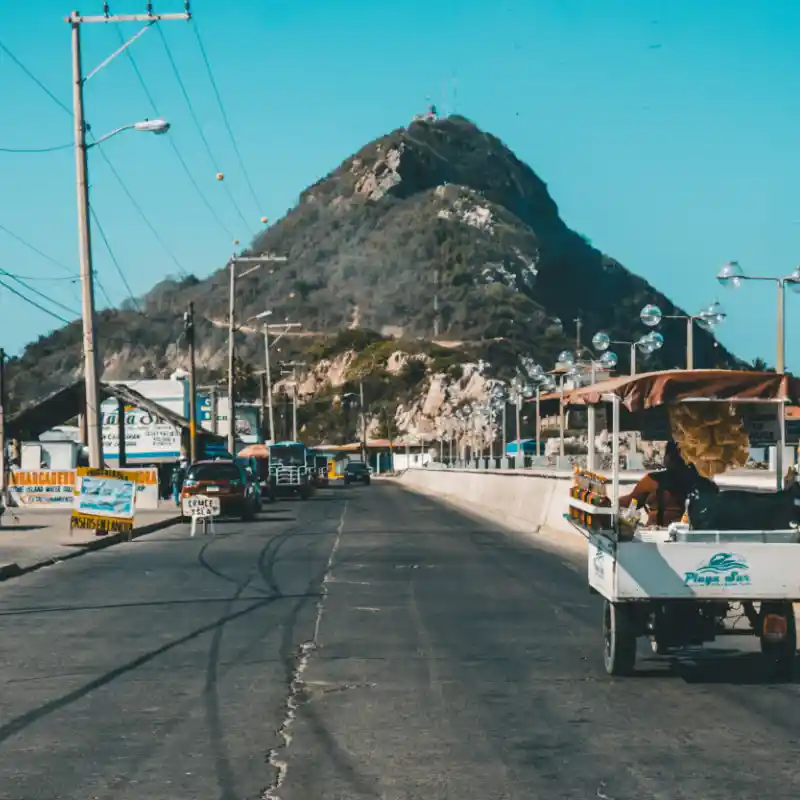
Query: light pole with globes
651	316
732	275
646	344
607	362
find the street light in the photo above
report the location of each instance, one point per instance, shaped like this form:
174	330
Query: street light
258	262
651	315
157	126
91	372
646	344
731	275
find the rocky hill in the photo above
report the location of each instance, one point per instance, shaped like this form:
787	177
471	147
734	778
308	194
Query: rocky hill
437	207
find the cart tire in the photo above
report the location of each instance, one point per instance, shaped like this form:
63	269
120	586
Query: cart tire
780	656
619	638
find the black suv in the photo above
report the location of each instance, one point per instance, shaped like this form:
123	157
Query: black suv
357	472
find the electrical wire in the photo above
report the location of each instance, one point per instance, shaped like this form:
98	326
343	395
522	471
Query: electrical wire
114	259
199	127
171	141
196	30
36	149
38	293
116	174
73	276
36	250
33	302
141	213
34	79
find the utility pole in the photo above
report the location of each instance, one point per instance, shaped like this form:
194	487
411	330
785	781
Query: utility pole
2	426
291	369
364	457
258	262
262	387
284	329
188	323
90	359
436	303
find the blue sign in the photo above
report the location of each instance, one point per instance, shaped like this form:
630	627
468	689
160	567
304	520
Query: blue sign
722	569
204	408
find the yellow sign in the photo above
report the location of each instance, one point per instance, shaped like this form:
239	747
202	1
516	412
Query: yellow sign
108	524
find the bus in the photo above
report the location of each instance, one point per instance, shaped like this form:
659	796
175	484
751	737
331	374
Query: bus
288	469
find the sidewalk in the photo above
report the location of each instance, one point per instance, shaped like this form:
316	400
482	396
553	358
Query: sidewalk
38	538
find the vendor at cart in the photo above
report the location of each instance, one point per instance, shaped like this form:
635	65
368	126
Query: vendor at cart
664	493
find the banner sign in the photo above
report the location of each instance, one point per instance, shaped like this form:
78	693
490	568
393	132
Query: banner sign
147	438
42	487
106	502
48	488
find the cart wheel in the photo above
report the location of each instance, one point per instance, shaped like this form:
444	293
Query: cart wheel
780	656
619	635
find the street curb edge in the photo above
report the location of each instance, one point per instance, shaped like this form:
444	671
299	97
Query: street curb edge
8	571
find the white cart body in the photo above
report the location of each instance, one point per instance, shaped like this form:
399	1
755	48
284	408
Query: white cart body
727	570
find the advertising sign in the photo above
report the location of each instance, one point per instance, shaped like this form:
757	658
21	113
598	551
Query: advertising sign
247	418
106	501
762	425
200	506
40	488
147	439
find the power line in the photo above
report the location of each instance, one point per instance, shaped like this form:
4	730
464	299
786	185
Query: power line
224	115
200	127
36	250
34	79
141	213
113	259
39	294
33	302
171	141
36	149
73	276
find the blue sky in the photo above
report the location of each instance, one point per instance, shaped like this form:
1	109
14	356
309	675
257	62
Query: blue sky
666	132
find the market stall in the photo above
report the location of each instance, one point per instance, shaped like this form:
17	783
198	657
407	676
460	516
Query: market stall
733	553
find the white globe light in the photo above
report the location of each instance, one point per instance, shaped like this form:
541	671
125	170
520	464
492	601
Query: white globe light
651	315
794	280
601	341
566	357
608	360
731	275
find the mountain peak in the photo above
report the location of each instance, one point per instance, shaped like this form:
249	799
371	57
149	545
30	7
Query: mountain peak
437	208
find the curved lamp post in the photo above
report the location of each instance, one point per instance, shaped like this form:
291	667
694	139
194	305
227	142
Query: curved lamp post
708	318
94	433
731	275
646	344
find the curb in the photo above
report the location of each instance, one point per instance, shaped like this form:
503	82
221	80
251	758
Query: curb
15	570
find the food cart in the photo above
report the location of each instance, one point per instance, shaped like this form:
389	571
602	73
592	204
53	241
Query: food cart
731	566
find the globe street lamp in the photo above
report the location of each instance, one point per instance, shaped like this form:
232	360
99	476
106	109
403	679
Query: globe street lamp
731	275
708	318
646	344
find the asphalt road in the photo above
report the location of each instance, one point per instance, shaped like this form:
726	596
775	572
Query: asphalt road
365	644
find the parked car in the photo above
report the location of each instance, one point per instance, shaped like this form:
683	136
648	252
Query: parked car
357	472
237	489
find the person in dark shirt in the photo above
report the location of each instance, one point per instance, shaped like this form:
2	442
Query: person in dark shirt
663	493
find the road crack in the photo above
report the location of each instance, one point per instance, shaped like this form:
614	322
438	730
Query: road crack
297	691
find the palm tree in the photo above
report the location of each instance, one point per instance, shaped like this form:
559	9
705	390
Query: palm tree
759	365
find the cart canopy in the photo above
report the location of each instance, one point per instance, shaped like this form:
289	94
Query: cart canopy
653	389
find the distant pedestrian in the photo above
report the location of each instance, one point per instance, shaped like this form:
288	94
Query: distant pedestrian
178	476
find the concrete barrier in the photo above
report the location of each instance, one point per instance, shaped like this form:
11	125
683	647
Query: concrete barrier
530	501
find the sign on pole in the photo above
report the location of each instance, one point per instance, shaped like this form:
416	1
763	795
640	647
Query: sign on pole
105	502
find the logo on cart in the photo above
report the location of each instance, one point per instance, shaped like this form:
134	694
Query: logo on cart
722	569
